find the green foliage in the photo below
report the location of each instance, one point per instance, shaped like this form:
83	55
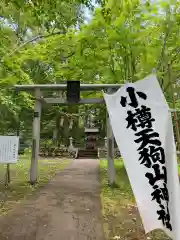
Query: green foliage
49	43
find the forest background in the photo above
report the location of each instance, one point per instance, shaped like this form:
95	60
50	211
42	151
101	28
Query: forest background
108	41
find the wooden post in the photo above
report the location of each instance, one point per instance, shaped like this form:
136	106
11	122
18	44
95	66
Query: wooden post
110	152
7	176
35	138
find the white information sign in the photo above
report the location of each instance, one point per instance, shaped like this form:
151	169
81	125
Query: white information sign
142	126
9	149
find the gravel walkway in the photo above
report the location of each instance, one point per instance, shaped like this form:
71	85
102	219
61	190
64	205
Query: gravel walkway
68	208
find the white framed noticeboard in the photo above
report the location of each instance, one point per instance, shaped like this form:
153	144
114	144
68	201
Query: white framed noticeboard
9	149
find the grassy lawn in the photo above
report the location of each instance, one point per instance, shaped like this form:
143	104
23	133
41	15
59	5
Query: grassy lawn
120	214
19	188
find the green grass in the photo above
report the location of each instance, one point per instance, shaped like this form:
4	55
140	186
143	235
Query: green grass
121	218
19	188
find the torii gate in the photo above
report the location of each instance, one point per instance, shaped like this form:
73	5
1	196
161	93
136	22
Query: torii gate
37	90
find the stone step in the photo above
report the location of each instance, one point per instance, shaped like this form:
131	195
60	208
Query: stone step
87	153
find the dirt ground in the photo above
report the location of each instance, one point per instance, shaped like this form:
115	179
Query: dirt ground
68	208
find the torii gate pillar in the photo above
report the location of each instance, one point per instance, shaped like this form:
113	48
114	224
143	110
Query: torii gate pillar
35	137
110	151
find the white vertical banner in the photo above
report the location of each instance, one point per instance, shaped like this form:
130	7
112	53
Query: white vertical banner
142	127
9	149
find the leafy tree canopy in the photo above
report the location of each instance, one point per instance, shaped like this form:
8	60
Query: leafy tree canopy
48	42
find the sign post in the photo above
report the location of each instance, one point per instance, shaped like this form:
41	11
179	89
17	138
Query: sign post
7	176
8	153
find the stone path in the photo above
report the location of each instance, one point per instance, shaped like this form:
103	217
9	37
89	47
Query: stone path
68	208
